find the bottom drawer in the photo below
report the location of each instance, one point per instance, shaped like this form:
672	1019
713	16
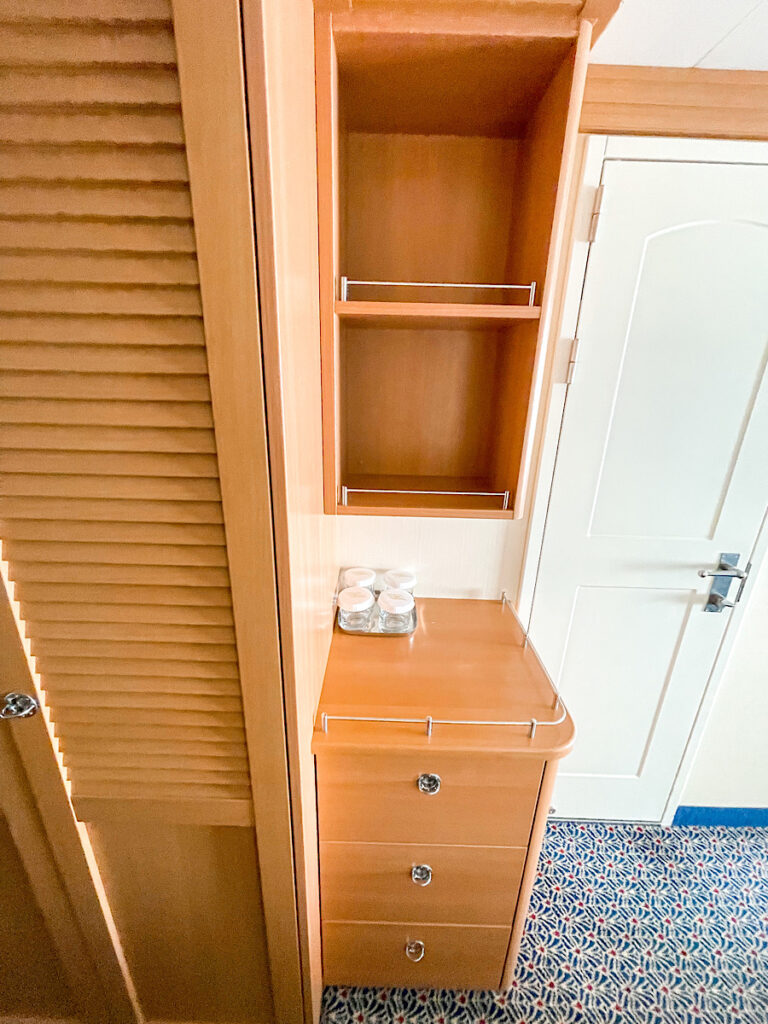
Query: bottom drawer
451	956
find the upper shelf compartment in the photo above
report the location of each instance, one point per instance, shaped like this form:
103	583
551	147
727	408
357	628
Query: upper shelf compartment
441	156
429	72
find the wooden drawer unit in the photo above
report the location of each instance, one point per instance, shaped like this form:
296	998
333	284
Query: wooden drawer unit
462	806
383	797
405	882
413	955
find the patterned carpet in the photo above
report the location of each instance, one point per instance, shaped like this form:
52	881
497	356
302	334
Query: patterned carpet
628	924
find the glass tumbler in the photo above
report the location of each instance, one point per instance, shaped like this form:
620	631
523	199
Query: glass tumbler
395	611
355	608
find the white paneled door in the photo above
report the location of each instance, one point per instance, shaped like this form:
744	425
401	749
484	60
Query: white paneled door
662	465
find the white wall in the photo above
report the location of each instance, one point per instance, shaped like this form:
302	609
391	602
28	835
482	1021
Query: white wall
731	765
451	557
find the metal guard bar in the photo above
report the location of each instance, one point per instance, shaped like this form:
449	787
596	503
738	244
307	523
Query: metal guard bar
346	490
532	724
347	281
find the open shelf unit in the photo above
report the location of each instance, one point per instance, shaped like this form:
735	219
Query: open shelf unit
443	153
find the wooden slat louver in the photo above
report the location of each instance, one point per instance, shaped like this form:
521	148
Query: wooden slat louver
110	512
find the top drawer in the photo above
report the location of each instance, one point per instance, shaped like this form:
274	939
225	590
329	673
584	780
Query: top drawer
481	799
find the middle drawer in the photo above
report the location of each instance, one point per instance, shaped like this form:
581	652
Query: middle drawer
385	882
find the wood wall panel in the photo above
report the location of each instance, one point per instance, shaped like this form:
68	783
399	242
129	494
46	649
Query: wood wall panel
58	863
33	978
110	505
550	162
221	912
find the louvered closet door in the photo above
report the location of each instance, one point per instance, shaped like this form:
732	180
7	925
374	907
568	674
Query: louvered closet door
111	512
110	506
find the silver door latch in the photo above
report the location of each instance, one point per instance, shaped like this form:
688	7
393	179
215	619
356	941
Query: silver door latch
722	577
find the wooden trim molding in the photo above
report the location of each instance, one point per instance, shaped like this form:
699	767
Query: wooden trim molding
688	102
279	58
211	73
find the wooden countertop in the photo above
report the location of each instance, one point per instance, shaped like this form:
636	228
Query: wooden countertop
466	661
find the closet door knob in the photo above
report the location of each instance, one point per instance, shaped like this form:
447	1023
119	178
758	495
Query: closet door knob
421	874
429	784
18	705
414	950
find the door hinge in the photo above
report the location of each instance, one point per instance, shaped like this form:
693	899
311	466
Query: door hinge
595	218
572	361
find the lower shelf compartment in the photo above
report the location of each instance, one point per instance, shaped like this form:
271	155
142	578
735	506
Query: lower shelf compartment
450	956
410	493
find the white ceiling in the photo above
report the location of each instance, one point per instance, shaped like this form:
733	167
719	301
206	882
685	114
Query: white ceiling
687	33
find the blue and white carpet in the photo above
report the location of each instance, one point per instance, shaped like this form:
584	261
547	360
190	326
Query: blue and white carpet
628	924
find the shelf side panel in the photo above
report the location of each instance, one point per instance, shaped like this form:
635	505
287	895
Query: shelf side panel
326	94
546	164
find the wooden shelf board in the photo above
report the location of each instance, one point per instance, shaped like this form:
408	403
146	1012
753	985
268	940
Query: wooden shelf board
467	660
417	511
432	314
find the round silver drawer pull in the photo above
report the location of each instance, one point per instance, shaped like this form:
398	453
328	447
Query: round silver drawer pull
421	874
414	950
429	784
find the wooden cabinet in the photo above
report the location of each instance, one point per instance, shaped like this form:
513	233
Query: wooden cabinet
435	756
444	145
